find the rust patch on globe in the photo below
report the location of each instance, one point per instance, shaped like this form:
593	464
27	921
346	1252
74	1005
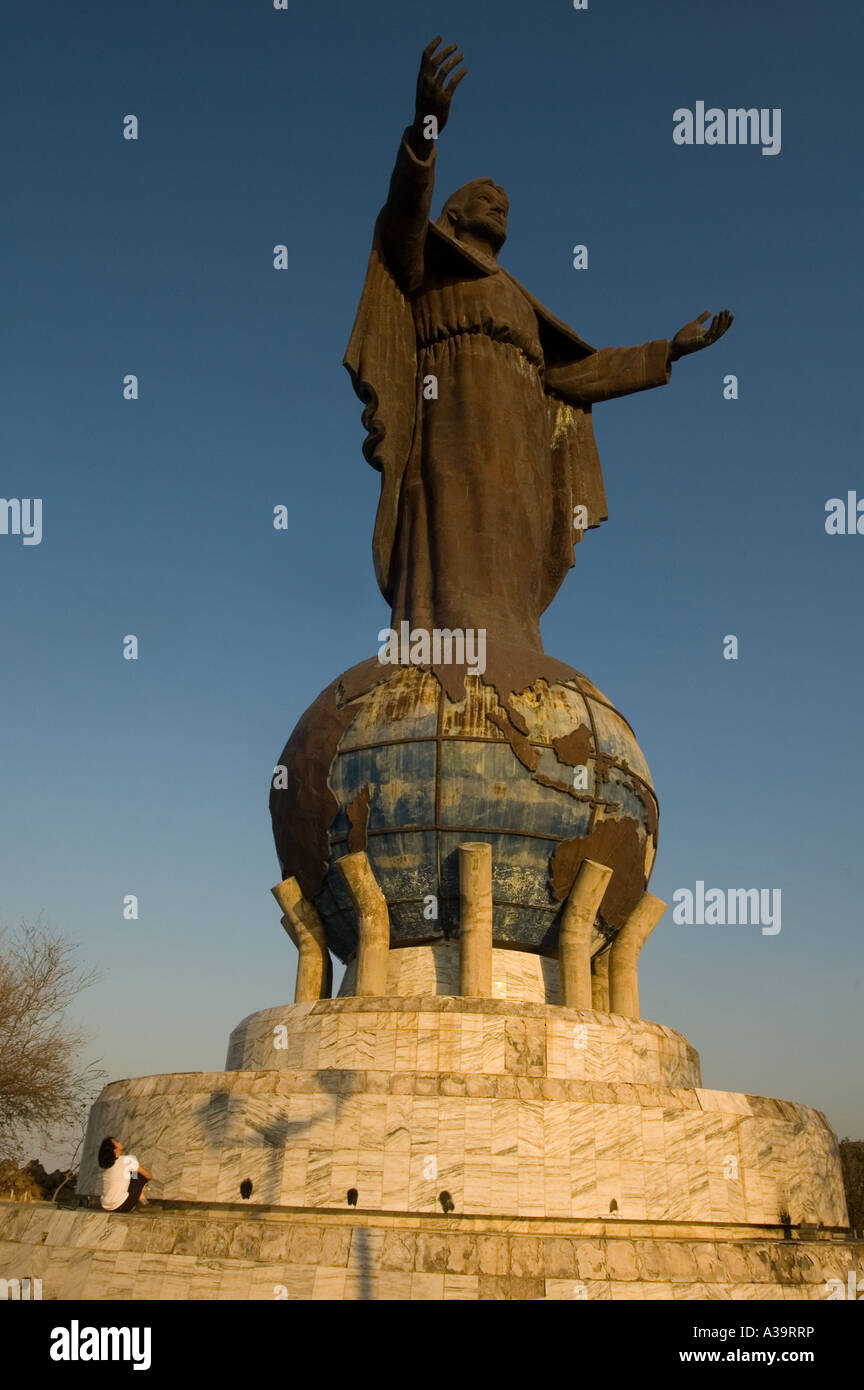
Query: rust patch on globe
303	810
574	748
358	814
616	843
528	756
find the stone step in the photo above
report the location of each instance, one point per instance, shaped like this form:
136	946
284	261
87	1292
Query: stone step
224	1251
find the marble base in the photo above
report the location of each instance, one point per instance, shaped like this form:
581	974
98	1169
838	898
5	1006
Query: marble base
414	971
514	1109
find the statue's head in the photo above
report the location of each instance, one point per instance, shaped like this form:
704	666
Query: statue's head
478	209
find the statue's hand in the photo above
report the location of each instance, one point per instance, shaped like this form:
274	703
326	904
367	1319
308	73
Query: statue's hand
434	92
692	337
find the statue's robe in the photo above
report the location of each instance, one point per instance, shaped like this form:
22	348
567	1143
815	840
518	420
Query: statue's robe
475	525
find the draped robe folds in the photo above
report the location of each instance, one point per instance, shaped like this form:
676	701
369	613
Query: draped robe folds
475	525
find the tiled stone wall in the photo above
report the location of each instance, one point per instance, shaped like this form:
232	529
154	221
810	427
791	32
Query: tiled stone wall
346	1256
478	1098
434	969
463	1035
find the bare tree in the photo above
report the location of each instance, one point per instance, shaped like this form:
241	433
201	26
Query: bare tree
43	1084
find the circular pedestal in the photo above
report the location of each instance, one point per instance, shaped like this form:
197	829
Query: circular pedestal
512	1109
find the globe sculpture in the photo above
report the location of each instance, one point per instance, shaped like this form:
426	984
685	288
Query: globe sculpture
387	762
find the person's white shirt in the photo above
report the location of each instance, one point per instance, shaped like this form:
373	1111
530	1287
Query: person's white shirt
115	1181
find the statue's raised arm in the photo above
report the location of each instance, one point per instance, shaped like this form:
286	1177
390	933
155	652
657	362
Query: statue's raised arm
404	218
434	94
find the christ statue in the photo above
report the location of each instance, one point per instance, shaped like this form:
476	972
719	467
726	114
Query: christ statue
478	401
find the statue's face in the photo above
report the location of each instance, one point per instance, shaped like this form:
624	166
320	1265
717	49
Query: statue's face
484	213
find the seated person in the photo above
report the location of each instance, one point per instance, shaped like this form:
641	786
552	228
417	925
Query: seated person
123	1179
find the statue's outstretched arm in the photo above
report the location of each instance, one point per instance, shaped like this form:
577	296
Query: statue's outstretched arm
611	372
620	371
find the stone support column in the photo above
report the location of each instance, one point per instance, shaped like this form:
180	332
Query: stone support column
624	956
577	925
475	920
600	983
306	930
373	923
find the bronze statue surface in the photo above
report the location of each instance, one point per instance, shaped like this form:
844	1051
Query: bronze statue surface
478	401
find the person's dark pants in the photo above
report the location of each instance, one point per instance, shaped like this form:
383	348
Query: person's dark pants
136	1187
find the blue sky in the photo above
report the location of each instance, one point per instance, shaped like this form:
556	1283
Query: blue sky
154	257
